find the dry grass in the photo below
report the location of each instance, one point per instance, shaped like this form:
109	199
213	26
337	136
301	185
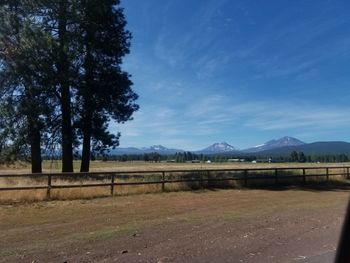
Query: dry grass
91	192
55	166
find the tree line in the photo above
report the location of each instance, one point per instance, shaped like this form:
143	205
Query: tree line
61	80
182	157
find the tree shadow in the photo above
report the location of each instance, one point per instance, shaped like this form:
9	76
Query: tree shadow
285	181
331	185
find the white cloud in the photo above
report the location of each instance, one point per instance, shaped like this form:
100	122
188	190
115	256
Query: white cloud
184	61
213	115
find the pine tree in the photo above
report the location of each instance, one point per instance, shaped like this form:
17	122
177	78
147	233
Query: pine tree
47	62
24	75
301	157
104	89
294	156
55	54
63	73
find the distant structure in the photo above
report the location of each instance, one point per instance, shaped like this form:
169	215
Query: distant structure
236	160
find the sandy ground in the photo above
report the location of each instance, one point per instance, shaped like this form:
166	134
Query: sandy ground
276	225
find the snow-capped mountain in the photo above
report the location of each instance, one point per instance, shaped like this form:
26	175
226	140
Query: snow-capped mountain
318	148
221	147
155	148
282	146
276	143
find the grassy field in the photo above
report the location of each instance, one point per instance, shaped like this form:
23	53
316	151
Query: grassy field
55	166
73	193
79	192
201	226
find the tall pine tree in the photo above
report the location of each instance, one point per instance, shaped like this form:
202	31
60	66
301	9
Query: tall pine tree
24	73
60	64
104	88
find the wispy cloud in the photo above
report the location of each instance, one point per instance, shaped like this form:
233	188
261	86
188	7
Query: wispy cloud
209	116
221	69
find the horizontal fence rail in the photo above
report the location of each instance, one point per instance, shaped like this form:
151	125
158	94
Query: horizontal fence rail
200	176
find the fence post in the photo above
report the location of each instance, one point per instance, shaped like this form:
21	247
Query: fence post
48	192
327	173
201	178
347	173
245	178
163	181
276	176
208	179
304	176
112	185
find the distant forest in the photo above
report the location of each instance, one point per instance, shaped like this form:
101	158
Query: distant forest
182	157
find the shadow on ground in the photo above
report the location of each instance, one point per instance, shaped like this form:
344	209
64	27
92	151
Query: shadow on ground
309	186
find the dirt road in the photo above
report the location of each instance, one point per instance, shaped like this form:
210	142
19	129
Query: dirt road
206	226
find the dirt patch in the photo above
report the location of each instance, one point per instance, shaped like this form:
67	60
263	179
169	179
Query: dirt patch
204	226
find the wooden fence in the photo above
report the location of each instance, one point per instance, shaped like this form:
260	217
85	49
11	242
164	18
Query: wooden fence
244	175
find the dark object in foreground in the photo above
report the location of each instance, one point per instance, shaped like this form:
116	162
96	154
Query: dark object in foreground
343	251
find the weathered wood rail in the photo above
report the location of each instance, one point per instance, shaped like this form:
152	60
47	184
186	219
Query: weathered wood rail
200	176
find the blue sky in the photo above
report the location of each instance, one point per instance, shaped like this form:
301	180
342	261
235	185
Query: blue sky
238	71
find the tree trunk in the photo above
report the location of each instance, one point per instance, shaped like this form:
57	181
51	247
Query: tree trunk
34	137
87	130
63	70
87	98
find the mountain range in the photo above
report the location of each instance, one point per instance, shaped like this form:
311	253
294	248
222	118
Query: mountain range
281	146
155	148
219	147
317	148
276	143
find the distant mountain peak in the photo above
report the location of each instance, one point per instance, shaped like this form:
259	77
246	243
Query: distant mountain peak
155	148
158	148
276	143
219	147
260	145
285	141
